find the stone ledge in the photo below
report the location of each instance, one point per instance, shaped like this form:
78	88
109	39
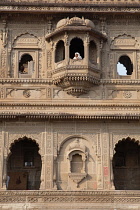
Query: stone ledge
70	196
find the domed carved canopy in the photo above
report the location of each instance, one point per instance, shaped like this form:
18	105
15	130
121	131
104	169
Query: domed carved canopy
75	24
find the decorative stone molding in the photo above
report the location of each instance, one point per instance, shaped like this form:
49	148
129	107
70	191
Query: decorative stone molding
70	196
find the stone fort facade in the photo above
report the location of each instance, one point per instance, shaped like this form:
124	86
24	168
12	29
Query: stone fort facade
69	118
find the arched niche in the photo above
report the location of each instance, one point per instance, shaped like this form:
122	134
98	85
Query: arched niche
76	164
24	165
76	45
126	167
60	51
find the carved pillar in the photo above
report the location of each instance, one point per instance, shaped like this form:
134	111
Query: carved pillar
4	159
53	53
106	164
49	157
99	164
67	45
86	49
112	187
42	153
9	63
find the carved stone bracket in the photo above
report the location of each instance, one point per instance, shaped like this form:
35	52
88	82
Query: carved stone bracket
77	177
76	85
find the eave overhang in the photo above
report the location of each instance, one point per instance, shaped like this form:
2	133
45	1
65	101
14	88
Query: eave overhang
68	7
80	29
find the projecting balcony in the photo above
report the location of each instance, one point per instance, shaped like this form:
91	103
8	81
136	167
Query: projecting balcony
76	47
76	77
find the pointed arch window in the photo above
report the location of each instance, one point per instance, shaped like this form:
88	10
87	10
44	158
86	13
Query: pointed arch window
60	51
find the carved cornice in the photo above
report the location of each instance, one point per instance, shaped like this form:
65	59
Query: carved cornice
50	81
40	6
70	196
69	116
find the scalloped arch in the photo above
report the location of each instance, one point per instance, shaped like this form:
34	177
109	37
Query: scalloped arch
22	34
127	139
22	137
121	35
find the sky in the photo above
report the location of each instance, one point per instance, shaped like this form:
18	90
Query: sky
121	69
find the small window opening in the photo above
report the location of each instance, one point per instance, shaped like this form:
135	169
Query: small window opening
124	66
26	64
28	158
76	163
92	52
76	46
60	51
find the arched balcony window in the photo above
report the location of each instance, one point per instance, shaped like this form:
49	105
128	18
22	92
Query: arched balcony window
76	45
93	52
60	51
26	64
124	66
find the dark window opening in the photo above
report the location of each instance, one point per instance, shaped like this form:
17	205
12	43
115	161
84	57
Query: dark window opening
76	45
60	51
24	166
76	163
124	66
92	52
26	64
126	165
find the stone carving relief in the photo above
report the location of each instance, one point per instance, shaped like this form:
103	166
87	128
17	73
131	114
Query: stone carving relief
26	40
3	70
35	93
124	42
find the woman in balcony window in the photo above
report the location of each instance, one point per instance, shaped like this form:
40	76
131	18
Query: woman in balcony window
77	56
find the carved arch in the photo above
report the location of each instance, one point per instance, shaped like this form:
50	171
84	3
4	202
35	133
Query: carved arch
121	36
128	139
19	137
22	34
74	137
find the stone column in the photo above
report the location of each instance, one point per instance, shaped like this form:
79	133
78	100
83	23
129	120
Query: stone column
67	45
86	49
112	187
48	159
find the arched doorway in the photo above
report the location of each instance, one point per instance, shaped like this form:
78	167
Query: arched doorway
24	166
126	165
